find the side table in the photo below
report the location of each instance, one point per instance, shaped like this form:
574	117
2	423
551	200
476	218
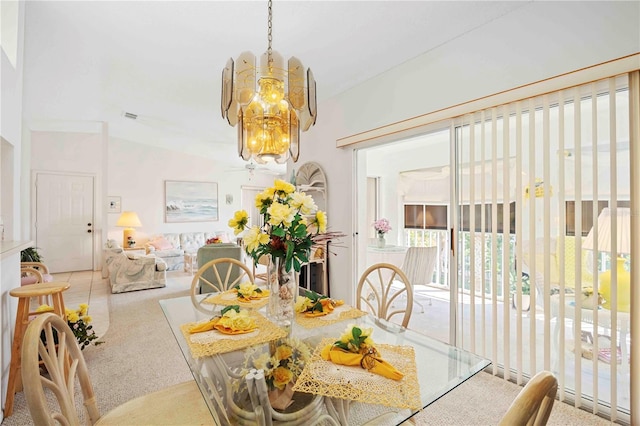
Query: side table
190	262
586	316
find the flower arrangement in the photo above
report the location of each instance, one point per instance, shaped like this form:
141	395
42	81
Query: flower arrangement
78	320
356	340
235	319
214	240
285	364
382	226
356	347
292	224
130	241
247	291
314	304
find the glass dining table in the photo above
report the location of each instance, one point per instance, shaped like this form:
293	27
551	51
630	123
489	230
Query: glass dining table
433	369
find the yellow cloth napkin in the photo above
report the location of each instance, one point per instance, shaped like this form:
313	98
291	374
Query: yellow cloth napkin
378	365
205	326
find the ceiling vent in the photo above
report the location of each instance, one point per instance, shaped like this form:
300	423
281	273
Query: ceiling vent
130	115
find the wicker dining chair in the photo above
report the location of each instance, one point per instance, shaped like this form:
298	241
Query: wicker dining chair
217	275
533	404
49	338
376	289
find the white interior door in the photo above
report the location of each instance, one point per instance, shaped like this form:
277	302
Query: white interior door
64	221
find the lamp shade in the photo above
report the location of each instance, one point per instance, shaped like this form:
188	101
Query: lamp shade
604	231
129	220
622	232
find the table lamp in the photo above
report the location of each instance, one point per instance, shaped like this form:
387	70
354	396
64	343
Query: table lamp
623	241
130	221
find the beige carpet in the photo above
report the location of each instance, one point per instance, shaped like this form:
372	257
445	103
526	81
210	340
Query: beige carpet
140	355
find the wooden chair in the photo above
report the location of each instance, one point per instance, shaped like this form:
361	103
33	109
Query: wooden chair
52	292
219	275
66	367
533	404
34	272
376	290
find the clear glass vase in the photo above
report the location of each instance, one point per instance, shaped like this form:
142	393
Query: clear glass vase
283	288
381	241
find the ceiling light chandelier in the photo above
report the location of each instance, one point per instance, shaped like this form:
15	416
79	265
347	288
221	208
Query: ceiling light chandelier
270	104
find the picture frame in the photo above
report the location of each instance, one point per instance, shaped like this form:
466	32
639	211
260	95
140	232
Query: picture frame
188	201
114	204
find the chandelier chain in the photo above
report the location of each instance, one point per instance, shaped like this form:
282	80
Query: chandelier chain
270	37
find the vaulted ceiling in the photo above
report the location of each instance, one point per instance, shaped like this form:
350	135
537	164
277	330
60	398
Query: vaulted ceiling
93	61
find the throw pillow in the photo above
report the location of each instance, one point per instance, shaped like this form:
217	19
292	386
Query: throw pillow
161	243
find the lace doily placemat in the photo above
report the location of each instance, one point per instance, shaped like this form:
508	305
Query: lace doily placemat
230	297
214	342
322	377
340	313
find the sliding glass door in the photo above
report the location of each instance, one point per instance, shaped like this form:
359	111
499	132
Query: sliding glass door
542	186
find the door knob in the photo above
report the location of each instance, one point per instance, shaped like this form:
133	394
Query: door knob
88	224
89	231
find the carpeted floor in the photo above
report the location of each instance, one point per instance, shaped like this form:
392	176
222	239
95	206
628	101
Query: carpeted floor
140	355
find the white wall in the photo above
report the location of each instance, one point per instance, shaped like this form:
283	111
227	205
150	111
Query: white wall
71	153
137	173
11	162
537	41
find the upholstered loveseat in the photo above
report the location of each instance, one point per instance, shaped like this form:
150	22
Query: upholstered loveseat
131	271
172	247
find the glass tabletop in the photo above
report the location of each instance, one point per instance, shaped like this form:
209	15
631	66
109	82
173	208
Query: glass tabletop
439	367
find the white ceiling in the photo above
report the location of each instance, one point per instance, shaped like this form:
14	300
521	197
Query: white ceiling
91	61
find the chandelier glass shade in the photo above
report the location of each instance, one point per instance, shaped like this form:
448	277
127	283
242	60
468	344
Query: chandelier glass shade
270	104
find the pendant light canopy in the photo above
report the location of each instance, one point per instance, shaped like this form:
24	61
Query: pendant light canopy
270	104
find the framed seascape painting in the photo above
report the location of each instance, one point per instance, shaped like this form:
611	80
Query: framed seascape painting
190	201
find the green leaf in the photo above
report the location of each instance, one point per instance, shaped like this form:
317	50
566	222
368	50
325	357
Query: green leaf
356	332
230	307
278	232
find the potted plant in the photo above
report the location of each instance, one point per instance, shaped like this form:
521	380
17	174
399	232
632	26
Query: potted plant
526	292
30	255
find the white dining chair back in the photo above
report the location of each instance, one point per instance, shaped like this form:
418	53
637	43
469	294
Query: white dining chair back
533	404
220	275
50	392
381	287
418	265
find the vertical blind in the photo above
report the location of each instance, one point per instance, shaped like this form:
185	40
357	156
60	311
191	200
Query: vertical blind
548	166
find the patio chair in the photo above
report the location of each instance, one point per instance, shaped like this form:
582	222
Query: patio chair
215	276
418	265
178	404
377	282
533	404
